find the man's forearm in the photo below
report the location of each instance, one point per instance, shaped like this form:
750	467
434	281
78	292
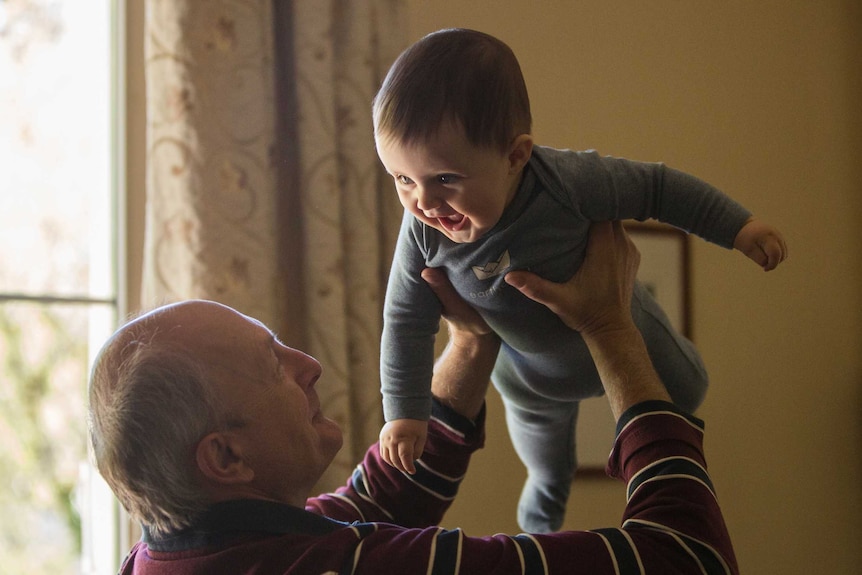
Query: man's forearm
624	366
463	371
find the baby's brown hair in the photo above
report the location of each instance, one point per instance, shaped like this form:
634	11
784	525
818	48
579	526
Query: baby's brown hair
462	76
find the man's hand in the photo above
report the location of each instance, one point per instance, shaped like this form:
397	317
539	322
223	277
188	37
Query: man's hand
599	295
459	315
402	442
597	303
463	371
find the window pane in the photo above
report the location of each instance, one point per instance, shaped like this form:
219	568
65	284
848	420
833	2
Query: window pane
56	241
54	134
44	351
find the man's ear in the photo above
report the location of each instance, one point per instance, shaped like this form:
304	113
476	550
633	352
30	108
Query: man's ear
220	459
520	152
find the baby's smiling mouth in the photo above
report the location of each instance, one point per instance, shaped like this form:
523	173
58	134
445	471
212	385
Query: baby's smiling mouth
452	223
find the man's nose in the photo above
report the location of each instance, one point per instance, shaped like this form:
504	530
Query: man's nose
312	372
306	369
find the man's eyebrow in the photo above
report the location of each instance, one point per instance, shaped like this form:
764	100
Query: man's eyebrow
270	341
269	336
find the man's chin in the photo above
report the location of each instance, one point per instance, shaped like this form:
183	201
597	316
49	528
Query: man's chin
330	433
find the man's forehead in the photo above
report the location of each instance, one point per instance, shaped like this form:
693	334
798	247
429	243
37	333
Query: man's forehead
194	319
190	312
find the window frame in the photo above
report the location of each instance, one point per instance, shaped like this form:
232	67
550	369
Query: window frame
106	528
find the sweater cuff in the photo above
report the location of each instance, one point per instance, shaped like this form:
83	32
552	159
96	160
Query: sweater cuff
457	423
652	406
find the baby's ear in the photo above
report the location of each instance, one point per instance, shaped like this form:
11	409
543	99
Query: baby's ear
520	152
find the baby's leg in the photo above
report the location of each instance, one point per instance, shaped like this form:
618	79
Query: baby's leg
542	432
674	356
544	440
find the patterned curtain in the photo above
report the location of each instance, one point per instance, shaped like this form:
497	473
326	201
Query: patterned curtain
349	210
264	190
211	217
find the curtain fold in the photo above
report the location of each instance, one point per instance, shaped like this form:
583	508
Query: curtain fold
211	217
264	190
350	213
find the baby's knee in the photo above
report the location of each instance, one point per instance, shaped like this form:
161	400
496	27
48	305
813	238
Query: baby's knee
689	394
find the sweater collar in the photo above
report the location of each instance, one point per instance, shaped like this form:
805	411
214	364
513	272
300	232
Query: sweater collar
230	519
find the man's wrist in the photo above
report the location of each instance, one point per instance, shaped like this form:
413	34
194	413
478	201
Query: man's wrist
455	419
474	343
463	371
625	368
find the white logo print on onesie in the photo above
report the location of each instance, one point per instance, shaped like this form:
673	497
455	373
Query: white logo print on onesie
492	269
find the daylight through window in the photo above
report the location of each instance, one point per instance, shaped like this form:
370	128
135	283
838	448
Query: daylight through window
58	278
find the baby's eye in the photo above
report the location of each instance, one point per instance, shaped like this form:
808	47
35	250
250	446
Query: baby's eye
403	180
447	179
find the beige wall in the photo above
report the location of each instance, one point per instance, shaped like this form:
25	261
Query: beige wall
761	99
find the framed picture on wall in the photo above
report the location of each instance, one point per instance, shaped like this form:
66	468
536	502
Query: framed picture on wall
664	270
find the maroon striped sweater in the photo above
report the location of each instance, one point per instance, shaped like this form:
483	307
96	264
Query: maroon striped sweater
384	522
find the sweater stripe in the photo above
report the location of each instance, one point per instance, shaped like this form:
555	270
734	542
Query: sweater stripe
624	424
446	553
350	503
622	550
362	530
452	430
670	467
450	478
360	484
438	485
351	561
711	561
534	562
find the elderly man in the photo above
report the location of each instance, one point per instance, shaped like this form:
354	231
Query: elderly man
210	432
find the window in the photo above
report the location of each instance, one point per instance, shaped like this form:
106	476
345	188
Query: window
60	160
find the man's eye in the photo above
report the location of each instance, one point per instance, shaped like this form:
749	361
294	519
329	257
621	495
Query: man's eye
403	180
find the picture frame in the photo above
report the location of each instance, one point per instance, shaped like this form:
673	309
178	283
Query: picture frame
665	271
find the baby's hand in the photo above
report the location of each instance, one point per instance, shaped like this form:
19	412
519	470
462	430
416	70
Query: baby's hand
402	442
762	243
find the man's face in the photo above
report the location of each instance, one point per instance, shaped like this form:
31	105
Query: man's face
269	388
449	184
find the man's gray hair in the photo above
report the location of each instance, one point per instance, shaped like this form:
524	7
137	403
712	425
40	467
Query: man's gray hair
150	405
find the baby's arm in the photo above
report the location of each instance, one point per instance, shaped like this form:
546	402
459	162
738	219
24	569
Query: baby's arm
762	243
402	442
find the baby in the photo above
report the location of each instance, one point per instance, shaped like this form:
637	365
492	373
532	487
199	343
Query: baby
452	127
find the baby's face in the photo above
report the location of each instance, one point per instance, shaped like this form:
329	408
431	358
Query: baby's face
451	185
